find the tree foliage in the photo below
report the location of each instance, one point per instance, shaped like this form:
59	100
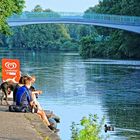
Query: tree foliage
37	8
87	45
41	36
36	37
93	41
8	8
116	43
90	129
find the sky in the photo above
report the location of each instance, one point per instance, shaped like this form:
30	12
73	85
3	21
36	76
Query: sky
61	5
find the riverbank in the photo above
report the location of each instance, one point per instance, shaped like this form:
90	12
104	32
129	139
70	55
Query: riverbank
23	126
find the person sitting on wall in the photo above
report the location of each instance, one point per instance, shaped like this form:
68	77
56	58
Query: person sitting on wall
53	119
17	86
23	99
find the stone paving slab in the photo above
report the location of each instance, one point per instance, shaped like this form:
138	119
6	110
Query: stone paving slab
23	126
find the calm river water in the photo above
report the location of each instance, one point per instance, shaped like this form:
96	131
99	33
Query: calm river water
73	88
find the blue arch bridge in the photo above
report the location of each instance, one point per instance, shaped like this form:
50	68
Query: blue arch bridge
129	23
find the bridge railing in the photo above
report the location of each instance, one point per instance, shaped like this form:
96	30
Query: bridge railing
34	15
89	17
114	18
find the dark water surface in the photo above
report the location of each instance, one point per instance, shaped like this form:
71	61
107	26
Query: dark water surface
73	87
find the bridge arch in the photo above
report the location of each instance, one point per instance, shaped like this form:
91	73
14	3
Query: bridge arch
129	23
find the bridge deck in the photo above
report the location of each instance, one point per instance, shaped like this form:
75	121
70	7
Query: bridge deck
129	23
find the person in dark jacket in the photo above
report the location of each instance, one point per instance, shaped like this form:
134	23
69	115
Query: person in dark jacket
23	98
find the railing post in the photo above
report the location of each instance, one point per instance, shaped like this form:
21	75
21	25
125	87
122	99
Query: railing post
23	16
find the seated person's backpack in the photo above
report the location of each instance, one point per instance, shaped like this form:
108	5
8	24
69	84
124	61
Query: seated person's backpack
16	108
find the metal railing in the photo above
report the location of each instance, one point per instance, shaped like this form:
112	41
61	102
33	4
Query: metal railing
87	17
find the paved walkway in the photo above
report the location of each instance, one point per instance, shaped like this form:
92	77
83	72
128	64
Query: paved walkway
23	126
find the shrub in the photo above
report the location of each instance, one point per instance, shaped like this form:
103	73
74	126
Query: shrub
90	129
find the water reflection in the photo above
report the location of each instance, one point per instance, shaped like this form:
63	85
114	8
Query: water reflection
120	96
74	87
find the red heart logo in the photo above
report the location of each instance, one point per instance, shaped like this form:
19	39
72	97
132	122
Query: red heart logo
10	66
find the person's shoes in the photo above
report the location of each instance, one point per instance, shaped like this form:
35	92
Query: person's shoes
51	127
56	130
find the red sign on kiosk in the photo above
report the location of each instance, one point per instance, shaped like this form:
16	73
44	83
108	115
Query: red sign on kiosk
10	70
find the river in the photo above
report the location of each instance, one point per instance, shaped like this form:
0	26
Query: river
74	87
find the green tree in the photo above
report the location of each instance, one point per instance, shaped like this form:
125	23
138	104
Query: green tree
8	8
87	46
116	43
39	36
90	129
37	8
